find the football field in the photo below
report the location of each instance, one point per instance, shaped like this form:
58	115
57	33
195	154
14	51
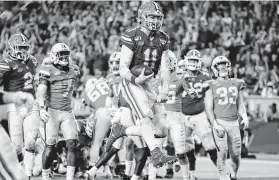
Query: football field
264	168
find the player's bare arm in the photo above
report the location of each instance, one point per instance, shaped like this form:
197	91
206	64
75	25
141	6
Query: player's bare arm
125	61
242	110
111	107
40	97
209	104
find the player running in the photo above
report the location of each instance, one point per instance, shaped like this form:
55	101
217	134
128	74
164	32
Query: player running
145	45
10	169
56	83
194	109
17	70
224	104
118	110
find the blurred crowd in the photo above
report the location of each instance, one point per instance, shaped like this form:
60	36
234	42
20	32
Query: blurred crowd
246	32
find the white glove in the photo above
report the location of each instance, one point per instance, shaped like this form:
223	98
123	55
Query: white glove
89	128
219	129
245	123
162	98
142	78
192	93
111	111
44	115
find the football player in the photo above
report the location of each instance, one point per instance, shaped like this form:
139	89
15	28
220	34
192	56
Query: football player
193	108
175	119
144	45
17	70
224	104
10	169
123	114
56	83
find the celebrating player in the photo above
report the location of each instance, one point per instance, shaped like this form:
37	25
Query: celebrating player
145	45
9	165
224	102
17	70
57	80
193	108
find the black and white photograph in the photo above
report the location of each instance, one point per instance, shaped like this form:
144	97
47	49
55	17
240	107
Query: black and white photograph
139	90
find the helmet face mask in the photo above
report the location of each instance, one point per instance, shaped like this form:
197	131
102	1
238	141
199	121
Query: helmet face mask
18	47
221	67
193	64
114	63
60	54
150	16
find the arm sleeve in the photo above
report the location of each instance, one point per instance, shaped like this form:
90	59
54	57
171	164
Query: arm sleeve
44	76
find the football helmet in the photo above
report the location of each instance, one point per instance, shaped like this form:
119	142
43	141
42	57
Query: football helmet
150	9
18	47
180	69
221	66
60	54
114	61
193	60
172	60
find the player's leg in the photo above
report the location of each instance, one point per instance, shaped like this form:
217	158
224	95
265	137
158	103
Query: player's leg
10	169
169	147
101	128
203	130
234	145
178	135
222	152
69	129
31	127
129	145
16	130
50	130
39	149
139	103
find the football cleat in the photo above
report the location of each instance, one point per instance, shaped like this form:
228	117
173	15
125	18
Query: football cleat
125	177
158	159
117	131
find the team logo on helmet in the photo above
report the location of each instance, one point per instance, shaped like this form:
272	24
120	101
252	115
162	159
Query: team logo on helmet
221	66
150	16
60	54
18	47
114	61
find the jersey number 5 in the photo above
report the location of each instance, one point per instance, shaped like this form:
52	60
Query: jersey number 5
150	57
98	91
227	95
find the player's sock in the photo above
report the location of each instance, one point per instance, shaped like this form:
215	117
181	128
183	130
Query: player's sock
133	131
70	173
192	173
152	171
235	162
28	162
185	171
213	156
147	133
128	167
135	177
45	174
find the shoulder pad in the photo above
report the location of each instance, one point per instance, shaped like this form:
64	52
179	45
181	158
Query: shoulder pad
45	72
34	60
46	61
130	32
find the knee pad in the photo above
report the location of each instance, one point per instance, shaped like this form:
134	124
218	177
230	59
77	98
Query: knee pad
71	145
30	145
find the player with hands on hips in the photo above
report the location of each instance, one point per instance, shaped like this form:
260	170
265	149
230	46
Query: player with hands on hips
57	79
224	104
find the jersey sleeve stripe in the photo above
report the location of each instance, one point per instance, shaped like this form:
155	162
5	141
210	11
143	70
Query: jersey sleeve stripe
126	38
4	66
127	42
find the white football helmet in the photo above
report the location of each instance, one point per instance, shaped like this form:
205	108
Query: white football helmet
221	66
60	54
114	61
193	60
180	69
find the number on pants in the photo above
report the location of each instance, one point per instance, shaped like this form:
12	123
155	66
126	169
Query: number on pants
28	77
98	91
171	94
150	57
225	98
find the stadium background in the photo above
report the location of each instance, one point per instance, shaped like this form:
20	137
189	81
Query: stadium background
246	32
